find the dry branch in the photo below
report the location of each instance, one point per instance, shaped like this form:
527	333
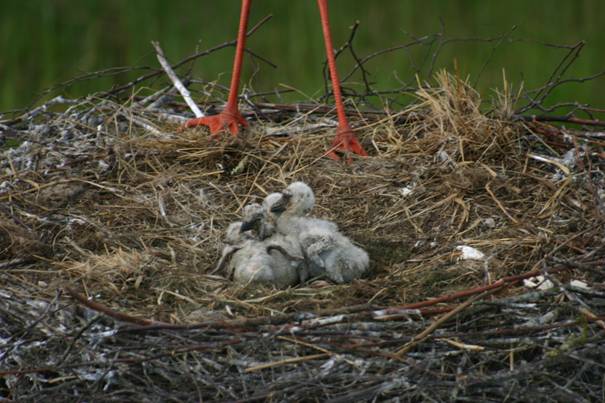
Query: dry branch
176	81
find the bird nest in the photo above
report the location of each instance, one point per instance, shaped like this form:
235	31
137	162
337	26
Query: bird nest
111	220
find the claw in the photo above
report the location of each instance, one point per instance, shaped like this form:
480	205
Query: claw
226	120
345	142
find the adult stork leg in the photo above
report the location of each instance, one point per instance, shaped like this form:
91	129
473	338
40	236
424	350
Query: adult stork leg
345	141
230	118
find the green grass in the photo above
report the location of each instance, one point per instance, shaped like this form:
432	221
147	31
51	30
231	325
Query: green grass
43	42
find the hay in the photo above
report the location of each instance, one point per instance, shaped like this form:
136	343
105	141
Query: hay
112	201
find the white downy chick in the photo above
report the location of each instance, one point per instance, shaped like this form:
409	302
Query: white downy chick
235	239
261	262
266	258
326	250
254	264
284	250
334	255
291	252
292	208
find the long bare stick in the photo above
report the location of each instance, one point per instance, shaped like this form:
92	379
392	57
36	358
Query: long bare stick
95	306
185	60
287	361
435	325
176	81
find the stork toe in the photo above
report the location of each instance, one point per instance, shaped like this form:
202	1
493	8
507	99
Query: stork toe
345	142
226	120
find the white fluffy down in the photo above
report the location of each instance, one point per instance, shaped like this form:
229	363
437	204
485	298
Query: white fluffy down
268	258
333	255
255	264
287	246
328	252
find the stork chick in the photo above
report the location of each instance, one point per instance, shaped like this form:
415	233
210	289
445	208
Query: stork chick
327	251
258	258
235	239
284	248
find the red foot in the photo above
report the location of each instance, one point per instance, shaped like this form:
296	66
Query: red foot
345	142
229	120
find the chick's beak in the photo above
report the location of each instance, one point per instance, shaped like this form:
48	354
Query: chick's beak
281	205
251	224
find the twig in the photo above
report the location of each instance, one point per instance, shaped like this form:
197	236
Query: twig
364	72
95	306
176	81
58	100
184	61
499	204
10	264
435	325
492	52
582	307
287	361
347	45
563	119
362	61
471	291
555	78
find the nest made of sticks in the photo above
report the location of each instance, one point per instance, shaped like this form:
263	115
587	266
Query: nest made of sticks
113	203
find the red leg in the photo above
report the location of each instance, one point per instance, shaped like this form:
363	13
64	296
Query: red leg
230	118
345	139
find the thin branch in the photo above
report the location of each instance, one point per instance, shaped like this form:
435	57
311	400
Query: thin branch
555	78
186	60
176	81
436	324
95	306
563	119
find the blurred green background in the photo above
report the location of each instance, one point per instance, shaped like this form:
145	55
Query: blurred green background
44	42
